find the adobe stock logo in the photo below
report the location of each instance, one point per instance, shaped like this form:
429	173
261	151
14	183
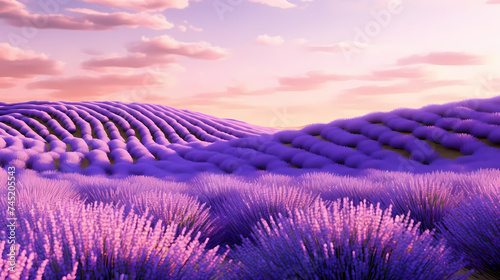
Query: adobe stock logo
364	36
223	6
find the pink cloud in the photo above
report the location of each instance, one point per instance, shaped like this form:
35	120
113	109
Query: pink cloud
283	4
442	58
312	80
410	86
15	13
493	2
153	21
86	87
337	48
396	73
186	104
128	61
7	83
141	5
195	29
18	63
212	98
165	44
184	28
269	40
92	52
10	5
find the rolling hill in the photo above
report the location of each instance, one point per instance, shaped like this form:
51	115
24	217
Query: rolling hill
117	138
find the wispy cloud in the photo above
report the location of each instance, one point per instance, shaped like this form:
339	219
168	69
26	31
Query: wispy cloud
269	40
311	80
410	86
141	5
18	63
401	73
16	14
337	47
283	4
442	58
164	45
85	87
7	83
101	64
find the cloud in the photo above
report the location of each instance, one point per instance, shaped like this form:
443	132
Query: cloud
493	2
9	6
18	63
160	51
196	29
15	14
410	86
129	61
395	73
336	48
269	40
164	45
153	21
311	80
442	58
92	52
87	87
7	83
141	5
283	4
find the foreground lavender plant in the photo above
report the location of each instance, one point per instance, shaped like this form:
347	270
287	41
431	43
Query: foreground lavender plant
174	208
427	197
332	187
101	242
23	268
472	230
107	190
240	213
344	243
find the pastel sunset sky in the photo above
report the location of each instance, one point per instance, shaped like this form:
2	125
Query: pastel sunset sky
274	63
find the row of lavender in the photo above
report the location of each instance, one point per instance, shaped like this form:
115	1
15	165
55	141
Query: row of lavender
382	225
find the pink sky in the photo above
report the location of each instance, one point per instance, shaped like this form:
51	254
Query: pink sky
274	63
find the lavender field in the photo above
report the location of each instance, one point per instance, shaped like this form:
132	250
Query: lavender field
111	190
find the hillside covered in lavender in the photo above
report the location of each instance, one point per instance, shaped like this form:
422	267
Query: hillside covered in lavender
110	190
112	138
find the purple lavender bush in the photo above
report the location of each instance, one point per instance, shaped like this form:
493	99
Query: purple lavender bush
98	241
173	208
344	242
472	230
24	264
108	190
239	213
427	197
332	187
